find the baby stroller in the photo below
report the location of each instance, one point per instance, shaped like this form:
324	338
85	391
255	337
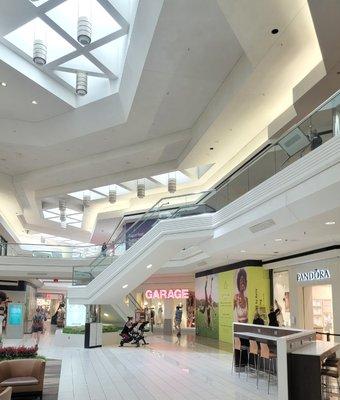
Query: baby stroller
126	333
138	334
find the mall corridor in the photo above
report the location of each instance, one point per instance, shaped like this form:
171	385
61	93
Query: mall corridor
164	370
170	173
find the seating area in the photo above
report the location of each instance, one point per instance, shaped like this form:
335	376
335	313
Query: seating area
258	356
24	377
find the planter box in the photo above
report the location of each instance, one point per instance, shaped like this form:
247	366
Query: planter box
77	340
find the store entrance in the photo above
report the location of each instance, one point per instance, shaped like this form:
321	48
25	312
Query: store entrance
318	309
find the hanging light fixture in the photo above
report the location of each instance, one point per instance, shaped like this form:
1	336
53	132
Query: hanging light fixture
86	199
112	195
81	83
39	52
140	190
39	43
172	184
84	28
84	31
62	209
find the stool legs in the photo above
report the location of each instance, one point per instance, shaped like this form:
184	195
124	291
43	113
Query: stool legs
269	371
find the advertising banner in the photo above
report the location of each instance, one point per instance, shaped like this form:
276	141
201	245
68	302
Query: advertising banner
230	296
134	231
207	306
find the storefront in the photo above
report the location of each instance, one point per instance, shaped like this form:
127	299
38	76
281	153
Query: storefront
160	295
308	293
231	293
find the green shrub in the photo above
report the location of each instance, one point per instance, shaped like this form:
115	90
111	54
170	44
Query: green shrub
13	353
80	330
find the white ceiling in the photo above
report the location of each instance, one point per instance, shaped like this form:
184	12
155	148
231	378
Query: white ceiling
197	74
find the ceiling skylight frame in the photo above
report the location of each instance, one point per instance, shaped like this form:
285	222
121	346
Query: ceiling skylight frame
51	67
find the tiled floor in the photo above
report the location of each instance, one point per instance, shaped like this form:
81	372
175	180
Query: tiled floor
164	370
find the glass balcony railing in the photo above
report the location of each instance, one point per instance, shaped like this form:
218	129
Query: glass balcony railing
319	127
169	207
49	251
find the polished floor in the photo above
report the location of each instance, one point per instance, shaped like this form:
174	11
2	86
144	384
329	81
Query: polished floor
164	370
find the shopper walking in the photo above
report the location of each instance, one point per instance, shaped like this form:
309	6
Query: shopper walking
178	320
37	325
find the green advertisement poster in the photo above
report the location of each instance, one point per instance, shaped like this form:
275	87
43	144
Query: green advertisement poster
226	318
230	296
258	292
207	306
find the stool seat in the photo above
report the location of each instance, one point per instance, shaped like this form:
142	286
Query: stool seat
332	373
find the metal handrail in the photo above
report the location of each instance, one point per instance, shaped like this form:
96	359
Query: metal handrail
328	334
45	244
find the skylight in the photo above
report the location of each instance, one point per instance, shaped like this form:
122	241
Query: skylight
73	218
67	13
24	36
56	27
80	195
105	189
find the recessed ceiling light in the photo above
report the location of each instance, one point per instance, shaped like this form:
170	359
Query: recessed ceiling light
274	31
278	240
125	286
243	251
34	102
4	84
330	223
149	266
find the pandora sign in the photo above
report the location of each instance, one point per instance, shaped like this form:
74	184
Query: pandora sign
314	275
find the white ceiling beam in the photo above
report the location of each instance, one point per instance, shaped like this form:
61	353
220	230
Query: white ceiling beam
108	7
74	71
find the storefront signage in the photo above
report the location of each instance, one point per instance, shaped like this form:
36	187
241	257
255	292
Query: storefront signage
314	275
167	294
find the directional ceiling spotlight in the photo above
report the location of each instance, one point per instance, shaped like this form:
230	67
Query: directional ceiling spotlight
81	83
112	195
140	190
86	199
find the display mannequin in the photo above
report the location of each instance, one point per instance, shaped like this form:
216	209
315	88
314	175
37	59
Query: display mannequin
1	321
160	315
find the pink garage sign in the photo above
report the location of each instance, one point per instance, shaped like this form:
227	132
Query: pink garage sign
167	294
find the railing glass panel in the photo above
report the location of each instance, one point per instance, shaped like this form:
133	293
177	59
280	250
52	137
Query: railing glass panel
316	129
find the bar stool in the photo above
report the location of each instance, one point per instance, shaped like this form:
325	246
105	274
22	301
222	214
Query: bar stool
266	354
330	369
241	348
254	351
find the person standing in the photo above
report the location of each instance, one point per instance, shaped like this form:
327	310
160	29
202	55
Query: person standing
37	325
272	316
257	319
178	320
104	249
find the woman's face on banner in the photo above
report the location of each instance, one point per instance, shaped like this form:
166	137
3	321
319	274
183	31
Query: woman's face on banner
243	283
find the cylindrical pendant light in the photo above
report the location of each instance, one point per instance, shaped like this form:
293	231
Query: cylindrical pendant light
39	52
62	209
112	196
172	184
84	31
140	190
81	83
86	199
